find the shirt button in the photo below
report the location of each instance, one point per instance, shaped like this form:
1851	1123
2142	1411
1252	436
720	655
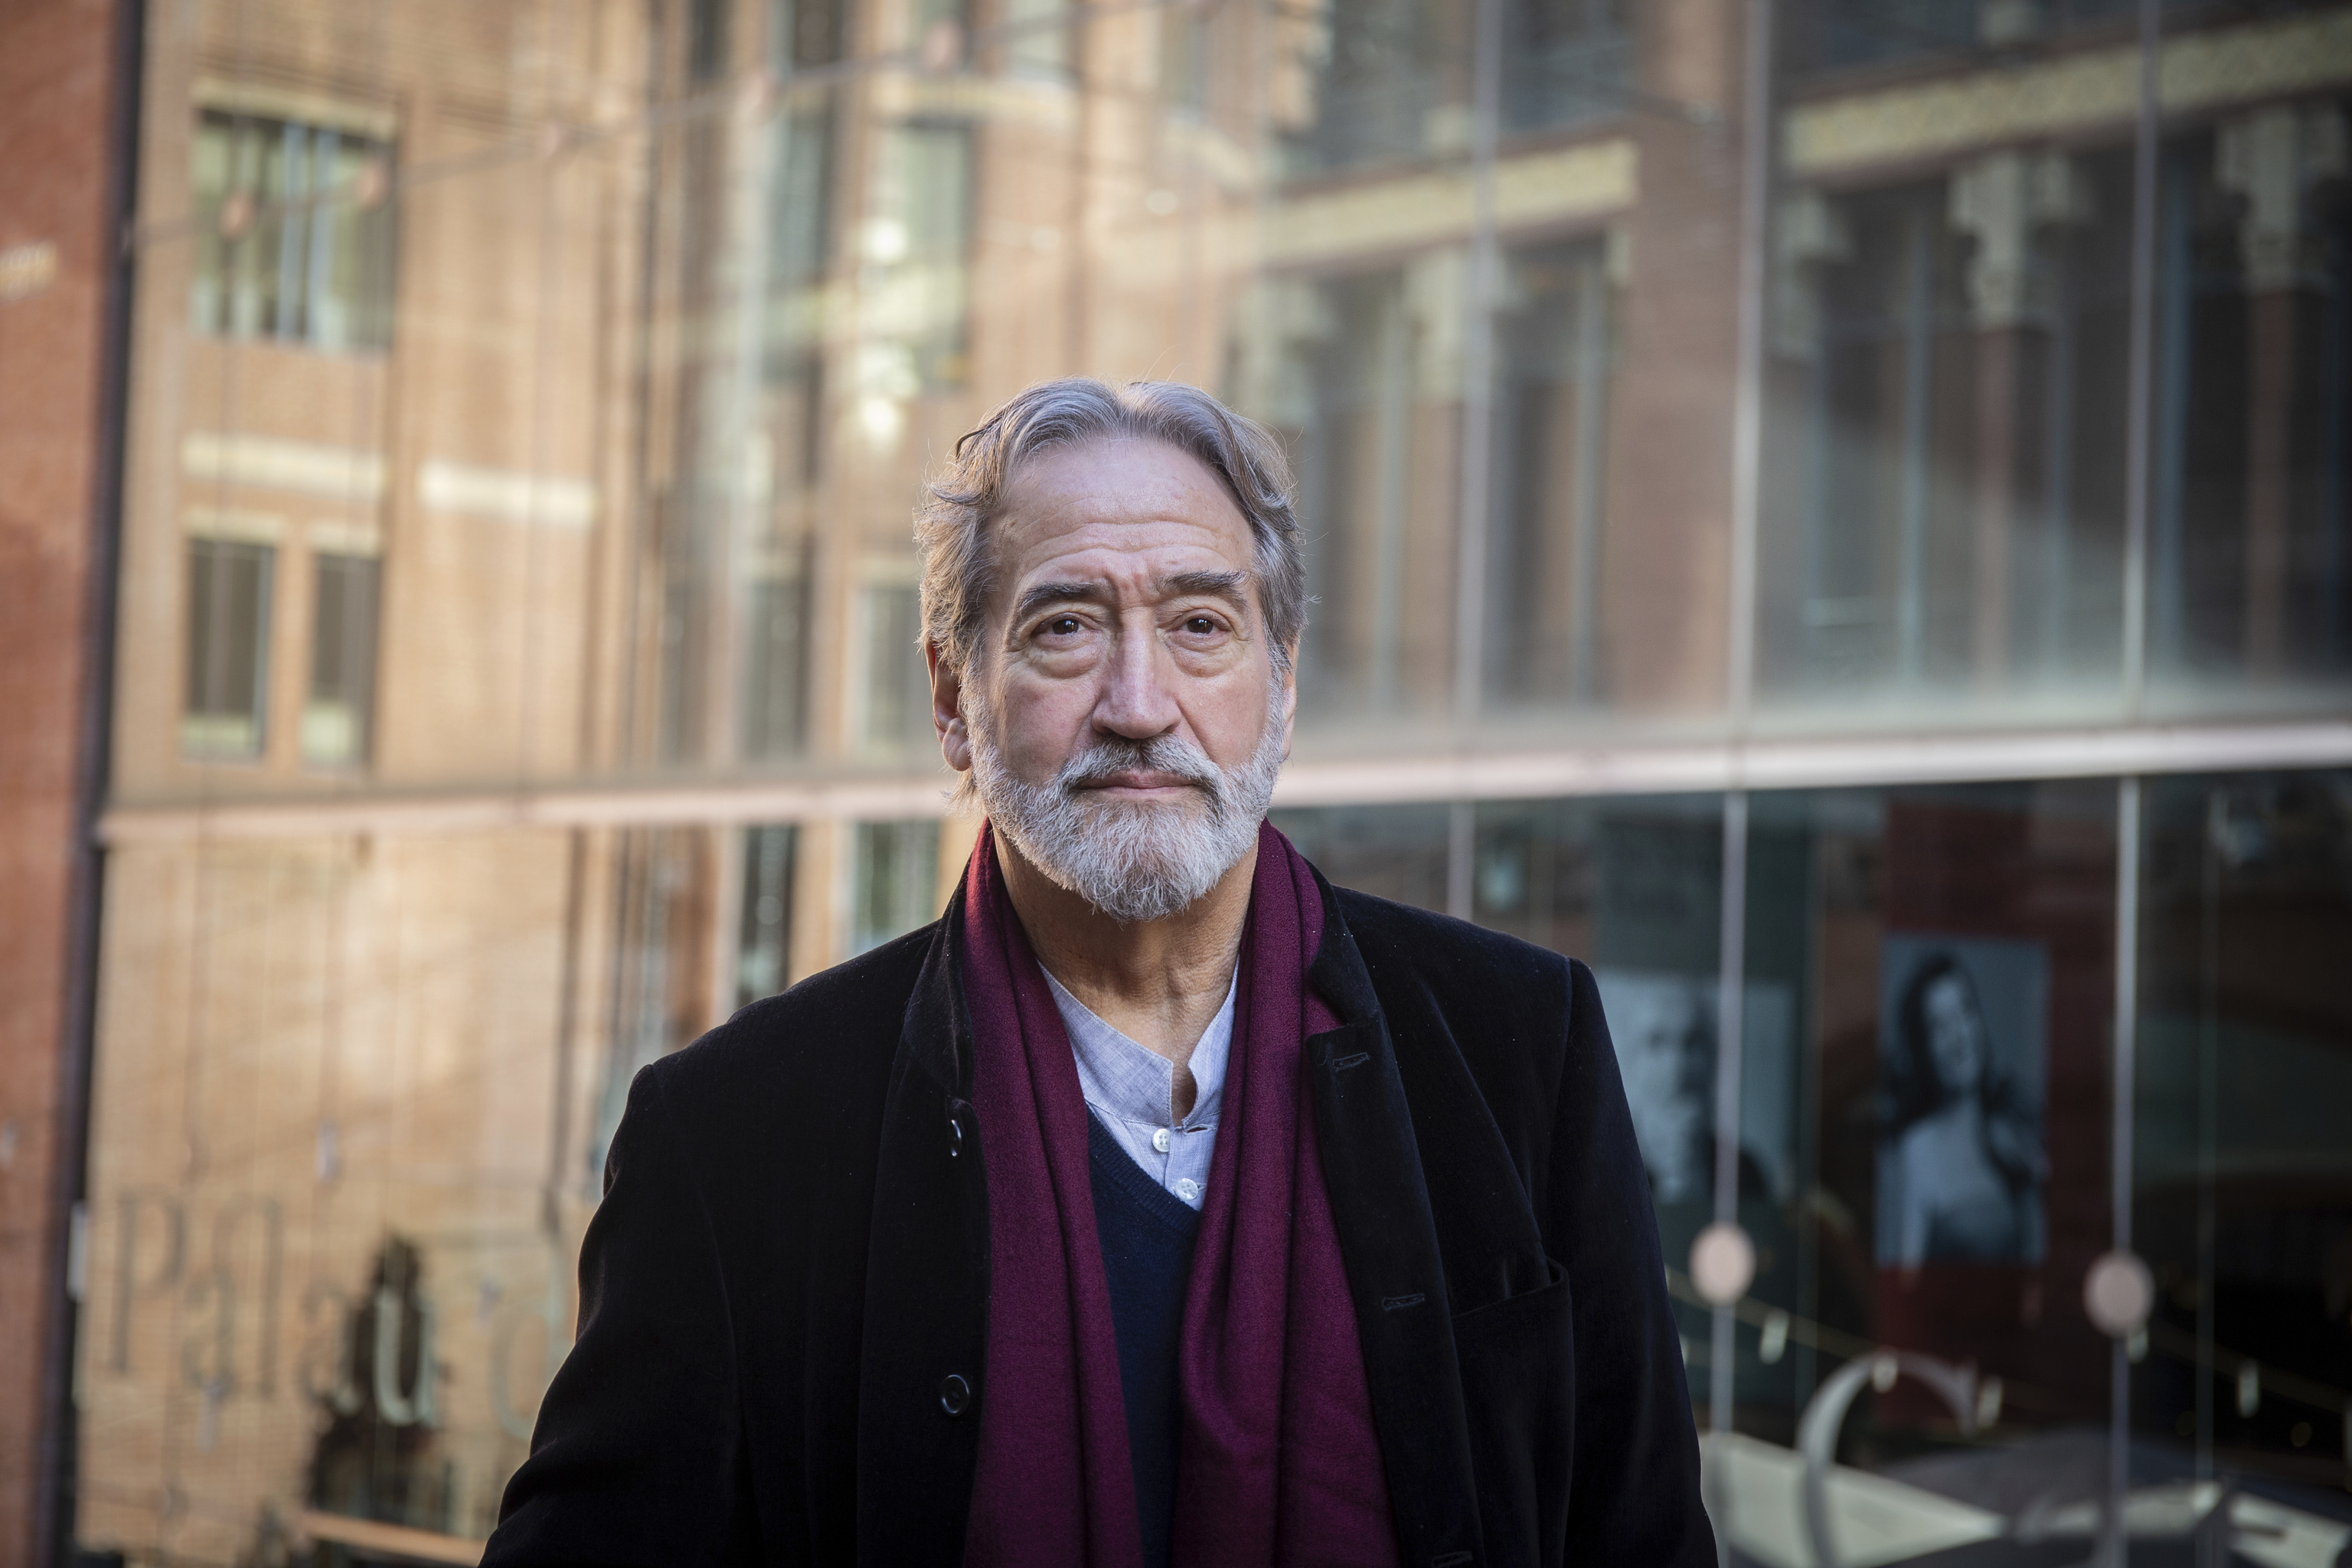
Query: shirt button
1160	1140
955	1394
1188	1189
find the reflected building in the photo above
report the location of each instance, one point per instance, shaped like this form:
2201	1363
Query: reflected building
514	664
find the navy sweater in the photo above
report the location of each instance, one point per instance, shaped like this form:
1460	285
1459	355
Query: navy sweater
1147	1247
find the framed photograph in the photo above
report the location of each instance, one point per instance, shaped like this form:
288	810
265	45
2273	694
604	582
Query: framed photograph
1962	1161
1663	1026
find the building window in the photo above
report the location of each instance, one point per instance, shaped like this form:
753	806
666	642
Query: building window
1564	60
773	707
1551	423
896	871
763	945
803	34
800	211
294	236
228	647
1184	59
1952	363
1040	48
706	39
338	717
800	253
1377	93
897	688
1376	421
918	248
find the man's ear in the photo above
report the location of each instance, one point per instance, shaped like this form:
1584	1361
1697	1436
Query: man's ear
947	708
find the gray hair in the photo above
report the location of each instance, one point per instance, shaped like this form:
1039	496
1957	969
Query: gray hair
951	524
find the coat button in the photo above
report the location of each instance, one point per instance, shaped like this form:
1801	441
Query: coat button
955	1394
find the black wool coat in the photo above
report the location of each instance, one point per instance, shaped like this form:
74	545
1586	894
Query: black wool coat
784	1311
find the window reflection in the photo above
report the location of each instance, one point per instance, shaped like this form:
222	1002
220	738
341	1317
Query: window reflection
295	241
228	658
336	719
1551	436
895	886
764	934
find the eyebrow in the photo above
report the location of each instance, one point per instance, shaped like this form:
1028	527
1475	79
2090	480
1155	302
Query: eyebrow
1046	594
1231	586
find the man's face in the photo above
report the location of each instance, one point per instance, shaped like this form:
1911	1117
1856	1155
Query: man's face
1123	714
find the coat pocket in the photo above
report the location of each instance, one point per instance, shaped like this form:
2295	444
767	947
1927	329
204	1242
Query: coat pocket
1518	1358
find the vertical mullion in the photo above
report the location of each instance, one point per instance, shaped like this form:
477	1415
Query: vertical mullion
294	163
1477	365
1590	327
2141	404
1913	456
2141	410
2123	1075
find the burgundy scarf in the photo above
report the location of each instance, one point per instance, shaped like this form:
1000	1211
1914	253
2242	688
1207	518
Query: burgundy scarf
1278	1461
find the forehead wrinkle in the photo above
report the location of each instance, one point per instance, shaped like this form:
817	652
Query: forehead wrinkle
1164	496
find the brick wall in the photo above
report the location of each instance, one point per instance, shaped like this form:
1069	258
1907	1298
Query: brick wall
58	69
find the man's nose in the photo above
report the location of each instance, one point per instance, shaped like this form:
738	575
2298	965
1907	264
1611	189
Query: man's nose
1139	699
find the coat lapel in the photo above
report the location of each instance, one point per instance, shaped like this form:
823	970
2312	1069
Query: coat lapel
925	1336
1380	1204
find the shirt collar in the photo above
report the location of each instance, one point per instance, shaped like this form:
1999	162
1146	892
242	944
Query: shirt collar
1127	1080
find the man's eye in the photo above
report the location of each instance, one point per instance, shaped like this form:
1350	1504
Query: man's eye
1062	627
1201	626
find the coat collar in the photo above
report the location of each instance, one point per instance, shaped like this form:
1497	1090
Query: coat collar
935	1034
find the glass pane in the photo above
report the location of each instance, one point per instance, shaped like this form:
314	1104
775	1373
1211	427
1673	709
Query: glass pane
1381	84
1551	429
295	233
1565	60
1395	852
898	690
764	934
1040	49
227	657
897	871
1926	1043
774	668
335	719
526	410
2243	1145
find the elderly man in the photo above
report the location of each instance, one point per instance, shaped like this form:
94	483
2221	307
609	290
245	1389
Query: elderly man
1159	1203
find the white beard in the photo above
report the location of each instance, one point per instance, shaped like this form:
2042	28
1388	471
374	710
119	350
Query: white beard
1133	860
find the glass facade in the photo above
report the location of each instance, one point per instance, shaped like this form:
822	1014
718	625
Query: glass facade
1833	511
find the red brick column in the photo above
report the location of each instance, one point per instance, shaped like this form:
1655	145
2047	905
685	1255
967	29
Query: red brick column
61	69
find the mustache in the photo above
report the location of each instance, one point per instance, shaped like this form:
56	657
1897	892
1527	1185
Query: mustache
1109	754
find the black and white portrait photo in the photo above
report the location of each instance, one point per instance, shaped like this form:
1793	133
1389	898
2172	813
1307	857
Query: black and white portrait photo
1663	1026
1961	1164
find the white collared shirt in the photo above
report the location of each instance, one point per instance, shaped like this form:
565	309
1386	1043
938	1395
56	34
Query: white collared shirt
1132	1089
